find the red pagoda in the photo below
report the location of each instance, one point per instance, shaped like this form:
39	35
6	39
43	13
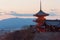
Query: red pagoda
40	19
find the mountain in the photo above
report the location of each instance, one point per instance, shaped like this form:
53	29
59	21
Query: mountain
15	23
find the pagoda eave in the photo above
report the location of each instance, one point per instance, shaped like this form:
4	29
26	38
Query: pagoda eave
40	15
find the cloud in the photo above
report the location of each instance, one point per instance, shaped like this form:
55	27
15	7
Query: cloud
19	14
52	14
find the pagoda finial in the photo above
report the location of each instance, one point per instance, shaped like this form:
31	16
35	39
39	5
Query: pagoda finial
40	6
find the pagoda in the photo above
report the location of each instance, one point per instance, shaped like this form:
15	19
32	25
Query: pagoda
40	18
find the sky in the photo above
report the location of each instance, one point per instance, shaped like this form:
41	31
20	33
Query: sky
29	6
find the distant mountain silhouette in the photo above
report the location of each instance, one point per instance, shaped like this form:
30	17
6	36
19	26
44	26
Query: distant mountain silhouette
15	23
22	14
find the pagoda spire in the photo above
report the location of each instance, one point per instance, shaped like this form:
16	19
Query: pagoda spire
41	12
40	6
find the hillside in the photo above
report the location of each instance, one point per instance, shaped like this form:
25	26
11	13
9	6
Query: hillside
15	23
30	34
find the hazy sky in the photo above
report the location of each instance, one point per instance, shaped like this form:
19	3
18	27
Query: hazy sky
29	6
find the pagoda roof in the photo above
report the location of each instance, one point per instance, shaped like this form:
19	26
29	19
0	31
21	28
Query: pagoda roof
41	13
53	23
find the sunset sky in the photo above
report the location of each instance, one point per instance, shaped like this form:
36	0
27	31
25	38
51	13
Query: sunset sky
29	6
